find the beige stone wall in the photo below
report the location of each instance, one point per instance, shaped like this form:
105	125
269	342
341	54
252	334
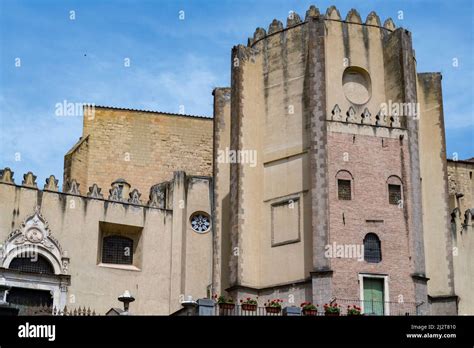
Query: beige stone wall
369	211
142	147
169	252
275	107
76	163
269	105
436	216
460	178
221	173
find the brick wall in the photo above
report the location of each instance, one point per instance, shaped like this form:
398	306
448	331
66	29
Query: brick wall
370	164
144	148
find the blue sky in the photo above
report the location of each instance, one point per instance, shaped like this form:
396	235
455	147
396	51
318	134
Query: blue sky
177	62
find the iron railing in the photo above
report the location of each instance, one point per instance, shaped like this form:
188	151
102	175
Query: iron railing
239	310
368	308
371	307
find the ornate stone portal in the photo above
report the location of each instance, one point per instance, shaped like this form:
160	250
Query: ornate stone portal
33	240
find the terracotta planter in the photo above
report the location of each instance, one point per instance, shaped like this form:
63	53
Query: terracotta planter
310	312
332	314
274	310
227	306
249	307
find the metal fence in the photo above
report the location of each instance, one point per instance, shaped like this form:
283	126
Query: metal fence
239	310
48	311
368	308
372	307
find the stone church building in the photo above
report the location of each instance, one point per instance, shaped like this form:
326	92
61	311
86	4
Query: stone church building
321	177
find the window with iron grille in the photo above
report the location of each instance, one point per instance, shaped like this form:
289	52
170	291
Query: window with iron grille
117	250
394	194
372	249
344	189
37	264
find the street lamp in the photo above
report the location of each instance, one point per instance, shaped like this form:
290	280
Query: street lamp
126	298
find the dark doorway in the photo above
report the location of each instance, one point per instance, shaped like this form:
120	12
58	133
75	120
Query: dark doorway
27	299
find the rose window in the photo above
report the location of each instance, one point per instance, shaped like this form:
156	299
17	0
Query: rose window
200	222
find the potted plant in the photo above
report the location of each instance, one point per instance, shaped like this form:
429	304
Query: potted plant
309	309
273	306
354	310
332	309
249	304
226	303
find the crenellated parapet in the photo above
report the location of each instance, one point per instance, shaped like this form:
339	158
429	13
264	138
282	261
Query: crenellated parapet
381	119
332	14
120	192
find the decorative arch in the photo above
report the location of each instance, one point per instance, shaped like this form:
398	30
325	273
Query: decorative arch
394	190
31	240
344	174
394	180
33	237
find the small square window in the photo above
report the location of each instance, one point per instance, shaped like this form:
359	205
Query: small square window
394	194
119	245
117	250
344	189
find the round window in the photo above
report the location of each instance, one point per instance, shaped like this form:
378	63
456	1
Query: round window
356	85
200	222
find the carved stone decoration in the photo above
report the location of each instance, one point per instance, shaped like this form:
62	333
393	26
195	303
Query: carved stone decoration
312	12
135	197
381	118
366	117
94	192
51	184
336	113
158	196
157	199
468	214
351	115
73	187
292	19
275	26
115	194
32	237
6	176
65	263
395	120
29	179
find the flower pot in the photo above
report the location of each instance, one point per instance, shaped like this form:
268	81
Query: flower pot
310	312
273	310
249	307
334	314
227	306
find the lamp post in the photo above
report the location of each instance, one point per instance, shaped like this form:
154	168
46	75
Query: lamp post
126	298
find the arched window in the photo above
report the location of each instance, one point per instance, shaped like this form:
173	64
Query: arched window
395	190
117	250
38	264
372	248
